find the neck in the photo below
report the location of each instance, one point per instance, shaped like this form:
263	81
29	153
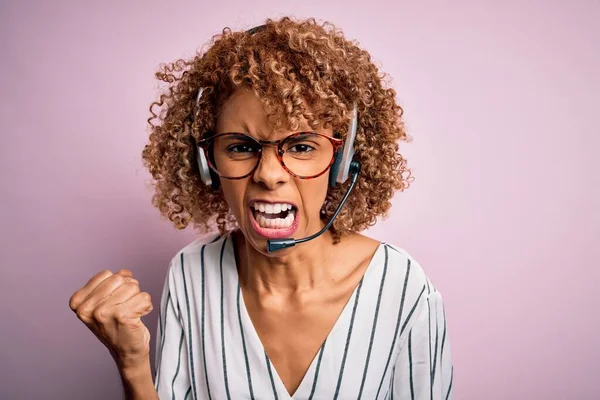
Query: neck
300	268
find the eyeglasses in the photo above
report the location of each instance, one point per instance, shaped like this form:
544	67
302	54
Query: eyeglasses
304	155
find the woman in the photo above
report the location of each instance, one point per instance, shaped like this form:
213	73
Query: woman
256	137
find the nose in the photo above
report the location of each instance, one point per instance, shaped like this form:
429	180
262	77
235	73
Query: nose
269	172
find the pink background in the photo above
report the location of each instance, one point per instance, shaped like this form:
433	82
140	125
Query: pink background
501	98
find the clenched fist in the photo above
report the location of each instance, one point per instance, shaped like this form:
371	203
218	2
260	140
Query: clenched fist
111	306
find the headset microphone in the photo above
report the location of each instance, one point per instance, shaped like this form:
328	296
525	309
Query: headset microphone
279	244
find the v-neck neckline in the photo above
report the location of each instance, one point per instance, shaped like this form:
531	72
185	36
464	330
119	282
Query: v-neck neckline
253	334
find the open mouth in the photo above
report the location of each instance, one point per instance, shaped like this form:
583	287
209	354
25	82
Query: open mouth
274	215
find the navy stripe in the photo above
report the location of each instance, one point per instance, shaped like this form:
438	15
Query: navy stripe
450	386
244	343
202	327
410	366
393	379
339	382
430	363
412	310
178	365
364	377
226	379
162	341
443	335
188	392
395	249
271	375
189	319
435	349
397	326
160	324
314	385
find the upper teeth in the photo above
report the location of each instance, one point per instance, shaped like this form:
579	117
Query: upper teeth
270	208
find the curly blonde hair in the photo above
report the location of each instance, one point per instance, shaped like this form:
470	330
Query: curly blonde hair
298	69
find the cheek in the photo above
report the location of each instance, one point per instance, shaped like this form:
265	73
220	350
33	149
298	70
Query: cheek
313	193
233	191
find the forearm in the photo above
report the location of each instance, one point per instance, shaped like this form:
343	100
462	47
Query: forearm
137	383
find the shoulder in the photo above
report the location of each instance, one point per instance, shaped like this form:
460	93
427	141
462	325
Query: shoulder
405	266
187	265
190	256
410	285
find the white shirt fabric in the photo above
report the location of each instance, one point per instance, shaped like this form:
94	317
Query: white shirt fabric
389	342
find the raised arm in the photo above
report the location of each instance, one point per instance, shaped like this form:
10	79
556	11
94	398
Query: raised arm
111	306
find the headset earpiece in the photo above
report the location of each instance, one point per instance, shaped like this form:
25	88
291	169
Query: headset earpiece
204	168
216	182
335	167
208	176
340	169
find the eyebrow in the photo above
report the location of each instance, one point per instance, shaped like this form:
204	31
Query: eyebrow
246	130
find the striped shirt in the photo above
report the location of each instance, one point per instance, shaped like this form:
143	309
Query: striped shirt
389	342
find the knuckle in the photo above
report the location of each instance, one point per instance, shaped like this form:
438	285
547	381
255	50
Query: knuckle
146	297
133	287
74	301
100	314
83	313
119	279
105	273
99	277
120	316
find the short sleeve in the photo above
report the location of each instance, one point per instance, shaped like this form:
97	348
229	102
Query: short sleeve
424	367
172	379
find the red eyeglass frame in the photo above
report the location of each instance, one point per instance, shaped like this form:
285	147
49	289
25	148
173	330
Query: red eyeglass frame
204	144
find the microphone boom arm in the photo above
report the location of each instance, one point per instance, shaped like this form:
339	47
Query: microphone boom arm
278	244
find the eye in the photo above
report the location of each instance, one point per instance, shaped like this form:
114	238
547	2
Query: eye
242	148
301	148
